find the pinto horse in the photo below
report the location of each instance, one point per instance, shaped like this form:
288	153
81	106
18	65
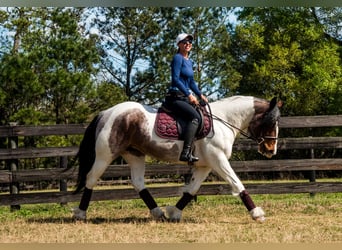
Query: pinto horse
127	130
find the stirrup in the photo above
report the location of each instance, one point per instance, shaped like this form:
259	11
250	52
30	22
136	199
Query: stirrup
189	158
186	155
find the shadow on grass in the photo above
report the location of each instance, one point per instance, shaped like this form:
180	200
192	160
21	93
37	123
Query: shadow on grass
96	220
101	220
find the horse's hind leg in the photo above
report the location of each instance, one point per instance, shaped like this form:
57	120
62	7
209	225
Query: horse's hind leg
136	162
98	168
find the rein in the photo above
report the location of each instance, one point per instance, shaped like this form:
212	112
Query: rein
228	125
259	140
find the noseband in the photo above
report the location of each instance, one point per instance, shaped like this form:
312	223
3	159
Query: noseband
261	139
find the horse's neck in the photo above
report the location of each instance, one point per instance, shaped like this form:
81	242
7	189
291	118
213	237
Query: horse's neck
238	110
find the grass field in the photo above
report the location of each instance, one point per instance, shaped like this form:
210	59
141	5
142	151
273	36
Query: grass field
212	219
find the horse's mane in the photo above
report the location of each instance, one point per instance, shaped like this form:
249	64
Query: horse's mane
236	98
234	102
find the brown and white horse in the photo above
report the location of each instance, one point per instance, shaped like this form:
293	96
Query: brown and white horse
127	130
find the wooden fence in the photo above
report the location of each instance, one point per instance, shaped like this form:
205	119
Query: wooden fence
13	175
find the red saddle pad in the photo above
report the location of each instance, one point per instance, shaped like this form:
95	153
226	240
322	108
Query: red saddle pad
167	127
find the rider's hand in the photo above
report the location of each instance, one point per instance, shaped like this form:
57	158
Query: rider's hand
193	99
204	98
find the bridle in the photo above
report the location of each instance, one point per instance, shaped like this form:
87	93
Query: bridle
259	140
262	138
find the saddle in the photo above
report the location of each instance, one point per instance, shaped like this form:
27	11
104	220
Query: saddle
168	126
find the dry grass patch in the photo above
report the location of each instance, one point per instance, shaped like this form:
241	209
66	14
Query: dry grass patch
213	219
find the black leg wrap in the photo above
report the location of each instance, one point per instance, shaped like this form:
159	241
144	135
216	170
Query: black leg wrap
186	198
84	204
246	199
148	199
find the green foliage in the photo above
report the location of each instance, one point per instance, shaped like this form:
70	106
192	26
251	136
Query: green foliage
127	36
106	96
55	69
285	52
47	75
20	89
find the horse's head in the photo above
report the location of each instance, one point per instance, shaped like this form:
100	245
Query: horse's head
264	126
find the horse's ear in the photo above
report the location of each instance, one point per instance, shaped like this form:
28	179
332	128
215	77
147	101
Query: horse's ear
280	103
273	113
273	103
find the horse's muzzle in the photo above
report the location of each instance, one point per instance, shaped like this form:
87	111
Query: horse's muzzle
268	148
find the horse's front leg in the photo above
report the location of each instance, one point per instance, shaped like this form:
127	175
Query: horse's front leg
174	213
256	212
224	169
137	165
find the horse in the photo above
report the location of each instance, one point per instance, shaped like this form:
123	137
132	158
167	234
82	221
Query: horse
127	130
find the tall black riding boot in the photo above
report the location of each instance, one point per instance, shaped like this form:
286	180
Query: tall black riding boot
189	136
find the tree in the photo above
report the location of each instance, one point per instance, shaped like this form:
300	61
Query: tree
137	52
20	89
126	36
65	63
49	68
284	52
105	96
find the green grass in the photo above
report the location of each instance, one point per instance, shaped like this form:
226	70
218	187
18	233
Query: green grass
291	218
286	200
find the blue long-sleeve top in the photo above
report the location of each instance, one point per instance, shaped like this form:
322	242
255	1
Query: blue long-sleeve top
183	76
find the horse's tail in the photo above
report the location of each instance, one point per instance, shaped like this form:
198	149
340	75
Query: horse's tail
86	153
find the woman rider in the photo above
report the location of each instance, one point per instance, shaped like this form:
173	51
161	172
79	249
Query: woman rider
180	99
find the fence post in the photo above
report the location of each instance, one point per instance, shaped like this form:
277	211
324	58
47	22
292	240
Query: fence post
312	174
13	166
63	186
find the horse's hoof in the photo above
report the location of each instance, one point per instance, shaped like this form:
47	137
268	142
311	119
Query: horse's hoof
157	214
173	214
260	219
79	215
258	214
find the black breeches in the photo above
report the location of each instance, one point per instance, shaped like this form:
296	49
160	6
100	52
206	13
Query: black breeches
184	110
